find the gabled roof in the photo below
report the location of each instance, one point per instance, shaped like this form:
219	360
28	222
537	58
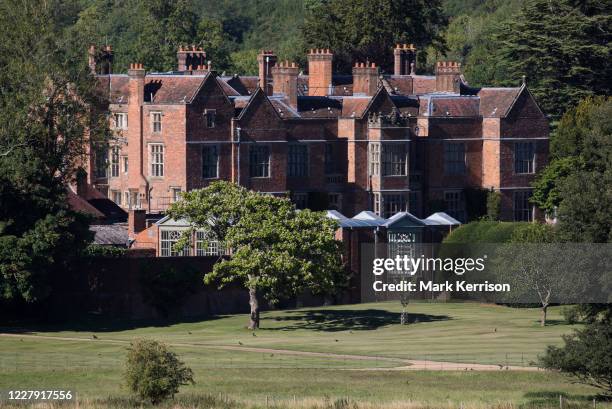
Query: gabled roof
453	106
441	219
497	102
403	217
368	215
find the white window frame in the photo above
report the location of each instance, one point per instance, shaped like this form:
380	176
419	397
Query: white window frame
212	249
374	158
115	196
394	159
156	160
120	121
524	158
125	163
376	208
114	161
176	193
156	122
167	239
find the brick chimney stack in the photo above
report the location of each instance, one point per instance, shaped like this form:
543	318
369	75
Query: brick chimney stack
100	61
136	84
285	81
365	78
137	222
190	56
319	72
404	56
266	59
448	75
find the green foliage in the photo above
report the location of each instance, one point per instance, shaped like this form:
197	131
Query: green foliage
586	356
368	29
533	233
167	289
154	373
47	102
277	252
577	181
493	205
483	232
546	188
561	47
97	250
571	314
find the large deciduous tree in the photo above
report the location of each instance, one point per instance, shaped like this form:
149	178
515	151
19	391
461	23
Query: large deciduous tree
46	107
276	251
368	29
577	182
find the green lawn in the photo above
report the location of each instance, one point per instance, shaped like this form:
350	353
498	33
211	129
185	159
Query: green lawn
444	332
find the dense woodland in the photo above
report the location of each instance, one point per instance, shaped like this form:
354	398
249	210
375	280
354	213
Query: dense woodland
561	49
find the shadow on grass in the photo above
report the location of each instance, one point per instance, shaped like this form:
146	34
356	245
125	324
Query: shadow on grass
345	320
547	399
100	324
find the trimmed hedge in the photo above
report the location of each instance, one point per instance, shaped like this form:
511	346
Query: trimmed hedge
483	232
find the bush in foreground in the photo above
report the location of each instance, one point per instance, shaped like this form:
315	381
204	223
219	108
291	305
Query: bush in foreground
154	373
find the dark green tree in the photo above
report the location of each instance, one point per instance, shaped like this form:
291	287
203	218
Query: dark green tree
561	47
47	104
577	181
586	356
368	29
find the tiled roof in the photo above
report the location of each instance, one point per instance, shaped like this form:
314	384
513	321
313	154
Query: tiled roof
400	84
171	89
110	234
496	102
227	88
319	107
354	106
455	106
78	204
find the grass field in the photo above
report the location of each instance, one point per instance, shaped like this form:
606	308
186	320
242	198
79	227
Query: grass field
88	357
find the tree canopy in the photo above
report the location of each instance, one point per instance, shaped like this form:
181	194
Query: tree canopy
46	107
276	251
368	29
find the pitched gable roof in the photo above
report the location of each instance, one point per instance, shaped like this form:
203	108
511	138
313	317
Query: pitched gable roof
496	102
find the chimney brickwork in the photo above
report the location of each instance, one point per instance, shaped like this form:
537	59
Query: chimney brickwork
319	72
404	57
365	79
448	75
266	60
285	81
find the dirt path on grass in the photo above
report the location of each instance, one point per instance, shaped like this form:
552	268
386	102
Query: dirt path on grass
402	364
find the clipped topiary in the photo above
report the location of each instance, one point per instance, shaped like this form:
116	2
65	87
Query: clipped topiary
154	373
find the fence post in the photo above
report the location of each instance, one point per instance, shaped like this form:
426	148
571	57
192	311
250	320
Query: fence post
560	401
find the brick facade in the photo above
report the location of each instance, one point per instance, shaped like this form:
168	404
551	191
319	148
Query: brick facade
360	142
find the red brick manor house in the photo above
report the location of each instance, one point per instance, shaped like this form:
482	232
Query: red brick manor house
366	141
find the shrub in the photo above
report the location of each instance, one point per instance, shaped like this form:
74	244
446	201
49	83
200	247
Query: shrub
571	315
483	232
586	356
154	373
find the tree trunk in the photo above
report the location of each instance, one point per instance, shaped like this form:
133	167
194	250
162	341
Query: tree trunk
543	319
254	303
